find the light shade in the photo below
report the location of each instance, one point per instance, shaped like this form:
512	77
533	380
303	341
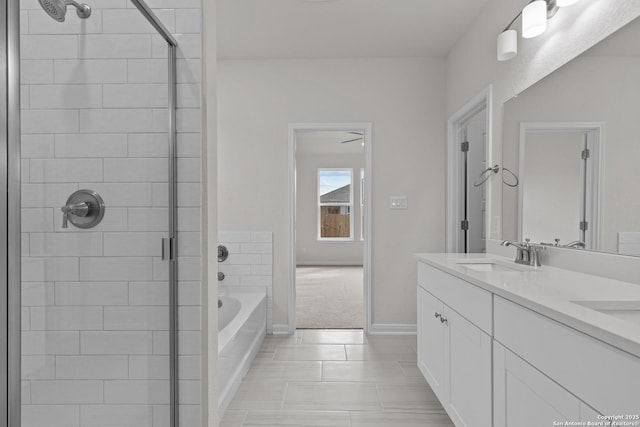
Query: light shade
534	19
565	3
507	45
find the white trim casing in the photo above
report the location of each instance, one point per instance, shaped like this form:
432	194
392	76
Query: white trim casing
483	100
292	129
595	134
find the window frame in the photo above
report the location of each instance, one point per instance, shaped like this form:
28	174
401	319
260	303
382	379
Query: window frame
319	206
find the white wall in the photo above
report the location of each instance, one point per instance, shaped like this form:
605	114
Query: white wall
209	221
309	250
402	98
572	31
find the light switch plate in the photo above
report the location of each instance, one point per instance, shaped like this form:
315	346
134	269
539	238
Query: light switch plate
398	202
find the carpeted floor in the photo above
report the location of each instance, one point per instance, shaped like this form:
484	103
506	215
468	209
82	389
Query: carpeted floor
329	297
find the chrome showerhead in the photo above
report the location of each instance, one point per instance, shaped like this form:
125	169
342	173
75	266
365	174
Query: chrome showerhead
57	9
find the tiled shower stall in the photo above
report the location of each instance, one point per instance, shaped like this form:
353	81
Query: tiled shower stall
95	341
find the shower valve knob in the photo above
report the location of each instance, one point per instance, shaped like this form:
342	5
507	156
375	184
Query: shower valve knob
84	209
77	209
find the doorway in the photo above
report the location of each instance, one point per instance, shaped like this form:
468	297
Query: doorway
330	227
469	176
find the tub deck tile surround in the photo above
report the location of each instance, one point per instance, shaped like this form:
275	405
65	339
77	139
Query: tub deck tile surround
297	381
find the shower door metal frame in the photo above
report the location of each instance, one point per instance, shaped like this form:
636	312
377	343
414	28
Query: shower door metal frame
10	250
10	233
172	257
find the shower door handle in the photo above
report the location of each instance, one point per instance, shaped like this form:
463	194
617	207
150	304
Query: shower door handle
168	251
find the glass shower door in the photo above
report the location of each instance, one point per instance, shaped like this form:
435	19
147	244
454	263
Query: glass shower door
96	310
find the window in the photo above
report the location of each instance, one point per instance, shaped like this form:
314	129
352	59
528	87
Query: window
335	204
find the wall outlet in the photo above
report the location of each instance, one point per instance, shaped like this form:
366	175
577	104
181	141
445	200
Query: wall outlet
398	202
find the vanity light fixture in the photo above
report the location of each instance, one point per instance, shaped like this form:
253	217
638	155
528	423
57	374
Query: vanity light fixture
534	22
534	19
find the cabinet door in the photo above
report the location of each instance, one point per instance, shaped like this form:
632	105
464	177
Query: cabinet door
524	397
431	360
468	351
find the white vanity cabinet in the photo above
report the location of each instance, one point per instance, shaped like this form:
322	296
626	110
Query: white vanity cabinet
497	350
524	397
454	354
431	342
598	378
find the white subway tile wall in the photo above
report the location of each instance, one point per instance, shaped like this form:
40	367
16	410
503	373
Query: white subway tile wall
250	263
95	348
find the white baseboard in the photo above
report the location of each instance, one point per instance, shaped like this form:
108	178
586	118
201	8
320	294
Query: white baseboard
392	329
329	263
280	329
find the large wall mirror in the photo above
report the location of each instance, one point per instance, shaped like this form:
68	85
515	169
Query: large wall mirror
574	140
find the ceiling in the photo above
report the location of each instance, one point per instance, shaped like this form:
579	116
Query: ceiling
260	29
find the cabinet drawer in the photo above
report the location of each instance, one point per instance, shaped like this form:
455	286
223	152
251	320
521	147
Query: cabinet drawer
602	376
468	300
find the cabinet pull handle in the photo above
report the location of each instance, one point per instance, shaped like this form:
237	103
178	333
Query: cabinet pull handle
438	315
443	320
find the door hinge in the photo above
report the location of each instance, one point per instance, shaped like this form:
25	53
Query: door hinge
585	154
464	224
464	147
168	249
584	225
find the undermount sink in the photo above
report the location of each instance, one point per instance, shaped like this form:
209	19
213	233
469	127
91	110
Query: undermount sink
488	266
623	310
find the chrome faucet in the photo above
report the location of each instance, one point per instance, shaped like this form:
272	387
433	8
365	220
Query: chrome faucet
527	253
522	254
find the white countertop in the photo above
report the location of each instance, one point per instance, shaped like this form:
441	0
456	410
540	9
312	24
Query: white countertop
550	292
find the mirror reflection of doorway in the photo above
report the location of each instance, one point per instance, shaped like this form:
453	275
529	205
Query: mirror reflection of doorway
329	229
559	197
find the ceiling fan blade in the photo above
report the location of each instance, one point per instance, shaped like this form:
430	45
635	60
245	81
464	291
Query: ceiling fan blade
350	140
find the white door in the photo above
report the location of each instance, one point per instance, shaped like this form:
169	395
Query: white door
473	191
469	367
431	341
476	191
524	397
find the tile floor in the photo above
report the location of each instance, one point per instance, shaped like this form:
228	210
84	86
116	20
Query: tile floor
335	378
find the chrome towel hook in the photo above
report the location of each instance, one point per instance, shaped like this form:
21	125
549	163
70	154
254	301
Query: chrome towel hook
484	176
514	177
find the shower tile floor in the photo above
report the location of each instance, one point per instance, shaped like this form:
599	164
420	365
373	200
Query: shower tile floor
335	378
